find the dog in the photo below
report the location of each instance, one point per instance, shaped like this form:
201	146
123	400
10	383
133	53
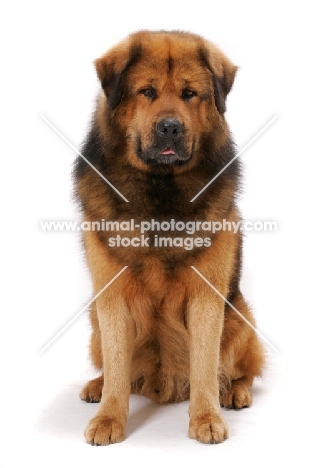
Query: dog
158	136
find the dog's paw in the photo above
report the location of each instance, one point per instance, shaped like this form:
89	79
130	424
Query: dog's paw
208	428
92	391
237	397
104	430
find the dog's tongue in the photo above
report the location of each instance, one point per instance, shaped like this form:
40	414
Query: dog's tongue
167	151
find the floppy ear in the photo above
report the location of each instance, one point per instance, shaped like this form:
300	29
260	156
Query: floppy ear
223	73
111	69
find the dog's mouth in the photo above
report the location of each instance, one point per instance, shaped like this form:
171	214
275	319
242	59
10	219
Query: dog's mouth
169	155
168	151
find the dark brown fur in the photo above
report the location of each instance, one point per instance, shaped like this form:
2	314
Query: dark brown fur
159	330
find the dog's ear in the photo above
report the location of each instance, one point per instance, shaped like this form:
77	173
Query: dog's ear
223	73
111	69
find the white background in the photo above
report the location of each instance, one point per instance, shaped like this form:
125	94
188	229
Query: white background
47	50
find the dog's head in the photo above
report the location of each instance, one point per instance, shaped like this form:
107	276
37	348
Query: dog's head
165	93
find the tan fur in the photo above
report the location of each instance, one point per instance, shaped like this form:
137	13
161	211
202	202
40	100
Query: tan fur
159	330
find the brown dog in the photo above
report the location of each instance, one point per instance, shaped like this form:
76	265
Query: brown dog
159	135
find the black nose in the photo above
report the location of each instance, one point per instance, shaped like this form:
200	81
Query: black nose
169	128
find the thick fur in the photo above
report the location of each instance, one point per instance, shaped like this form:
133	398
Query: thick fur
159	330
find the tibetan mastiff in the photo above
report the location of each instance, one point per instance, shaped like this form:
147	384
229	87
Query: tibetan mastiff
167	326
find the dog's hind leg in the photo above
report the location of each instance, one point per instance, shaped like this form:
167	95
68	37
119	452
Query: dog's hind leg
92	391
242	356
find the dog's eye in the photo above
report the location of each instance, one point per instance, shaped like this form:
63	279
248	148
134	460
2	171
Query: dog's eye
148	92
188	94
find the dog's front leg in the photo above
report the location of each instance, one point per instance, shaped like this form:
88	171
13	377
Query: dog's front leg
205	321
117	337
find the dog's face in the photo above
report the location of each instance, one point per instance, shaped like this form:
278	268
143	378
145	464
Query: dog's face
165	93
